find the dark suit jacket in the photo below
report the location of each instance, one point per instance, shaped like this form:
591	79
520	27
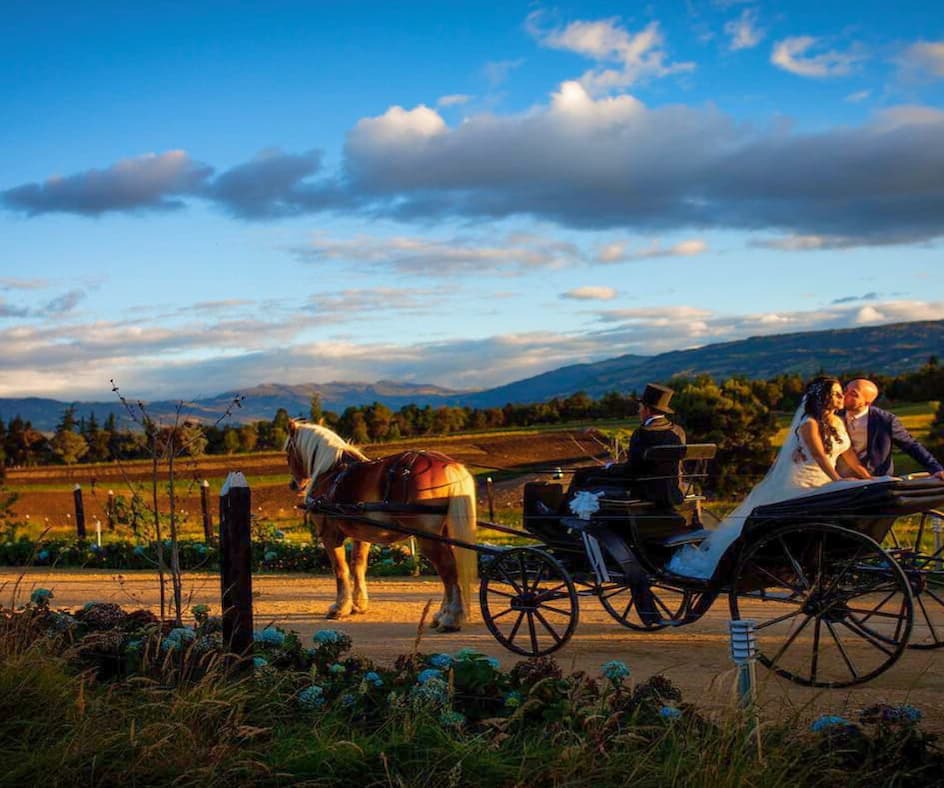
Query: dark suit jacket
885	431
663	488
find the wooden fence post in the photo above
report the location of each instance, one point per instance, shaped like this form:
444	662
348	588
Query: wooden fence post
79	511
236	566
110	510
205	507
491	498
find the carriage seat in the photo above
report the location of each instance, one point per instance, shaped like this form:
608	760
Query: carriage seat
688	537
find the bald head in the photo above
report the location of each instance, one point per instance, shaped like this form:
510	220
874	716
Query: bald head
859	394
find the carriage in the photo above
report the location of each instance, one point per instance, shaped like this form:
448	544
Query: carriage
835	590
831	607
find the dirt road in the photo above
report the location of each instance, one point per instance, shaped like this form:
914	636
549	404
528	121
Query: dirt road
695	657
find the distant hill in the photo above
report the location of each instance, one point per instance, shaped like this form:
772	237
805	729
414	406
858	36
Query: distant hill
891	349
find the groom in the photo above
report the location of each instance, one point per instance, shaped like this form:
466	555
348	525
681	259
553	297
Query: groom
874	431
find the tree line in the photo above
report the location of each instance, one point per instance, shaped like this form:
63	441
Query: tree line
738	414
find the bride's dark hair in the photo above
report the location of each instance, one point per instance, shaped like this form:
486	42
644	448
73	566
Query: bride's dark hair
815	403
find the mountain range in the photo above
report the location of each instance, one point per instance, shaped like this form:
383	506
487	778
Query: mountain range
890	349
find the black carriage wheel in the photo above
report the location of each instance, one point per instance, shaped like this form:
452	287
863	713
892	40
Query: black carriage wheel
918	547
529	603
831	608
666	605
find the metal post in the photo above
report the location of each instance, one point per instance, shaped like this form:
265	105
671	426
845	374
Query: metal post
98	532
205	508
491	499
79	511
110	510
937	525
236	566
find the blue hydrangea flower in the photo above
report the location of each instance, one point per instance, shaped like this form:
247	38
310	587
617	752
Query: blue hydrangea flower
259	662
200	548
827	721
139	551
432	693
270	556
615	670
133	646
177	638
202	611
326	636
42	555
670	713
466	653
311	697
337	669
348	700
270	636
374	678
441	661
495	664
452	719
428	674
279	534
41	596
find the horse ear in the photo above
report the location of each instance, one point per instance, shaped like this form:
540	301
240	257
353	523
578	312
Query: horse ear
292	426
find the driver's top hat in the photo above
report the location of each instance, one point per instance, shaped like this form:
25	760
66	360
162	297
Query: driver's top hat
657	397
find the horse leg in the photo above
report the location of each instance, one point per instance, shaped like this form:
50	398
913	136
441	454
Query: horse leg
360	554
333	541
451	614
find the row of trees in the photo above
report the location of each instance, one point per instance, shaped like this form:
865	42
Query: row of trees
737	414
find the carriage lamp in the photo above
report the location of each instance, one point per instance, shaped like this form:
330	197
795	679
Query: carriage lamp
744	655
558	474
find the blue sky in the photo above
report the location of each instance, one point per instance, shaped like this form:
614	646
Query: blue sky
201	197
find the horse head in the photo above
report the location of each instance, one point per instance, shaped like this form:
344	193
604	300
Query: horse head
312	450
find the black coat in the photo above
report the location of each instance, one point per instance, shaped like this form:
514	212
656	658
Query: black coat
655	481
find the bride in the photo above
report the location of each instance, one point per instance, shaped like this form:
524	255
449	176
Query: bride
817	438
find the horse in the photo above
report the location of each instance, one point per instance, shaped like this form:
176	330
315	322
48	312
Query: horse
332	471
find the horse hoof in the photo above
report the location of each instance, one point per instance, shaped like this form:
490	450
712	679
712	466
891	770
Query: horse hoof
336	614
359	610
449	628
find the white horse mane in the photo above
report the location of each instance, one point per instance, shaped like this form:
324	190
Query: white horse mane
321	449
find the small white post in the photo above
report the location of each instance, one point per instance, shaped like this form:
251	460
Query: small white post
744	655
98	532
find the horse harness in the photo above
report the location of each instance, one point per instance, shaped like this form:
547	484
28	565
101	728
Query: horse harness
396	478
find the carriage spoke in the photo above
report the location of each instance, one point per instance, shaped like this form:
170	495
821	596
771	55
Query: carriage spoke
842	650
927	618
934	596
841	576
865	635
533	632
505	594
547	626
504	612
777	580
551	593
789	641
778	620
516	627
814	658
509	580
662	604
794	564
537	578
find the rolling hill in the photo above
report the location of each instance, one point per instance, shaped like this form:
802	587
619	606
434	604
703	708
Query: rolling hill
891	349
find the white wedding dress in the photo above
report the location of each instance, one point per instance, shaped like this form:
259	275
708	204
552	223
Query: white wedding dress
794	474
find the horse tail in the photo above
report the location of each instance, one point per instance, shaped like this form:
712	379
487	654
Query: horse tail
461	522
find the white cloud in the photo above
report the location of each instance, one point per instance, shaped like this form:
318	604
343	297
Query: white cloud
621	251
858	97
513	253
591	293
497	71
790	54
453	100
743	31
924	58
638	56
